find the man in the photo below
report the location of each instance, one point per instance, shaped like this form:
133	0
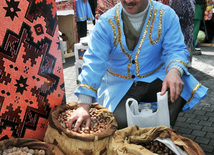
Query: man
136	50
93	5
83	13
199	16
185	11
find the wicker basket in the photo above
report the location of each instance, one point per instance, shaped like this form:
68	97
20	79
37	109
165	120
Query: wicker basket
74	143
50	149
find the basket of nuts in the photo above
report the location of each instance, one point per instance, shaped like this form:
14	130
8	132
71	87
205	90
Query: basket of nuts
27	146
94	140
151	141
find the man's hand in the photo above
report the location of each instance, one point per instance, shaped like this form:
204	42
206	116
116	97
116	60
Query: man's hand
79	115
84	1
174	83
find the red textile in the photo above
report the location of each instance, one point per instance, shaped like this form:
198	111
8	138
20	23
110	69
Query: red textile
166	2
104	5
31	72
65	5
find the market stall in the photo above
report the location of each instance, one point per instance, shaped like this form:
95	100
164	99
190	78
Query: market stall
33	111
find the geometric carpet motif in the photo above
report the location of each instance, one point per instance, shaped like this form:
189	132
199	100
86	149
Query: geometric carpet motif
31	71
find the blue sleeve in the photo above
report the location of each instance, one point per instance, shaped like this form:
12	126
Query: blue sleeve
95	59
174	49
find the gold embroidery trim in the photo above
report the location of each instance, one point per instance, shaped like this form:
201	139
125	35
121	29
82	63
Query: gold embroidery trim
114	32
194	91
142	41
159	26
90	18
119	31
84	18
129	77
117	18
87	86
118	75
176	61
145	75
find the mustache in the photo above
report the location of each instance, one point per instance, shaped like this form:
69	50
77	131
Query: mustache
130	4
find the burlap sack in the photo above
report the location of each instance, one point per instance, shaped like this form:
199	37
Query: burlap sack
124	141
50	149
74	143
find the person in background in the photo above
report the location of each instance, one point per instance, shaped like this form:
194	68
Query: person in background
185	11
83	13
93	5
135	50
199	16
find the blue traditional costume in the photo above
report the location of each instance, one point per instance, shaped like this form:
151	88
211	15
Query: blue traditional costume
110	68
83	11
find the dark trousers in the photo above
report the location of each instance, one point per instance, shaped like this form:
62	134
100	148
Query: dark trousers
93	5
82	29
146	92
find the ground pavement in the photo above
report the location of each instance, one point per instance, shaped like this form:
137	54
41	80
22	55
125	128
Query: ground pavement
197	123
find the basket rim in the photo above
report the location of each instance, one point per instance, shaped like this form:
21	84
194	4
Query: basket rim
54	123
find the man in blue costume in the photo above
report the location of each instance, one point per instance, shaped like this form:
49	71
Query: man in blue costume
136	50
83	13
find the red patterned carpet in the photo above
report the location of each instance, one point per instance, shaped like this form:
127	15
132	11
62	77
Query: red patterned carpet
31	72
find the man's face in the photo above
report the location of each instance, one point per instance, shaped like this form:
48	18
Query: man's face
134	6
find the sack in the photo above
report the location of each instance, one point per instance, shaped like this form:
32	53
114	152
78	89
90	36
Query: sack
50	149
74	143
157	118
128	141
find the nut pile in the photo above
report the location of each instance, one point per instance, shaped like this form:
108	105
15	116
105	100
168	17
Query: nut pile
98	121
158	147
21	151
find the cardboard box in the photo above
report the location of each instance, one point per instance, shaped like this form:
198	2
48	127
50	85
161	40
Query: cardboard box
67	25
